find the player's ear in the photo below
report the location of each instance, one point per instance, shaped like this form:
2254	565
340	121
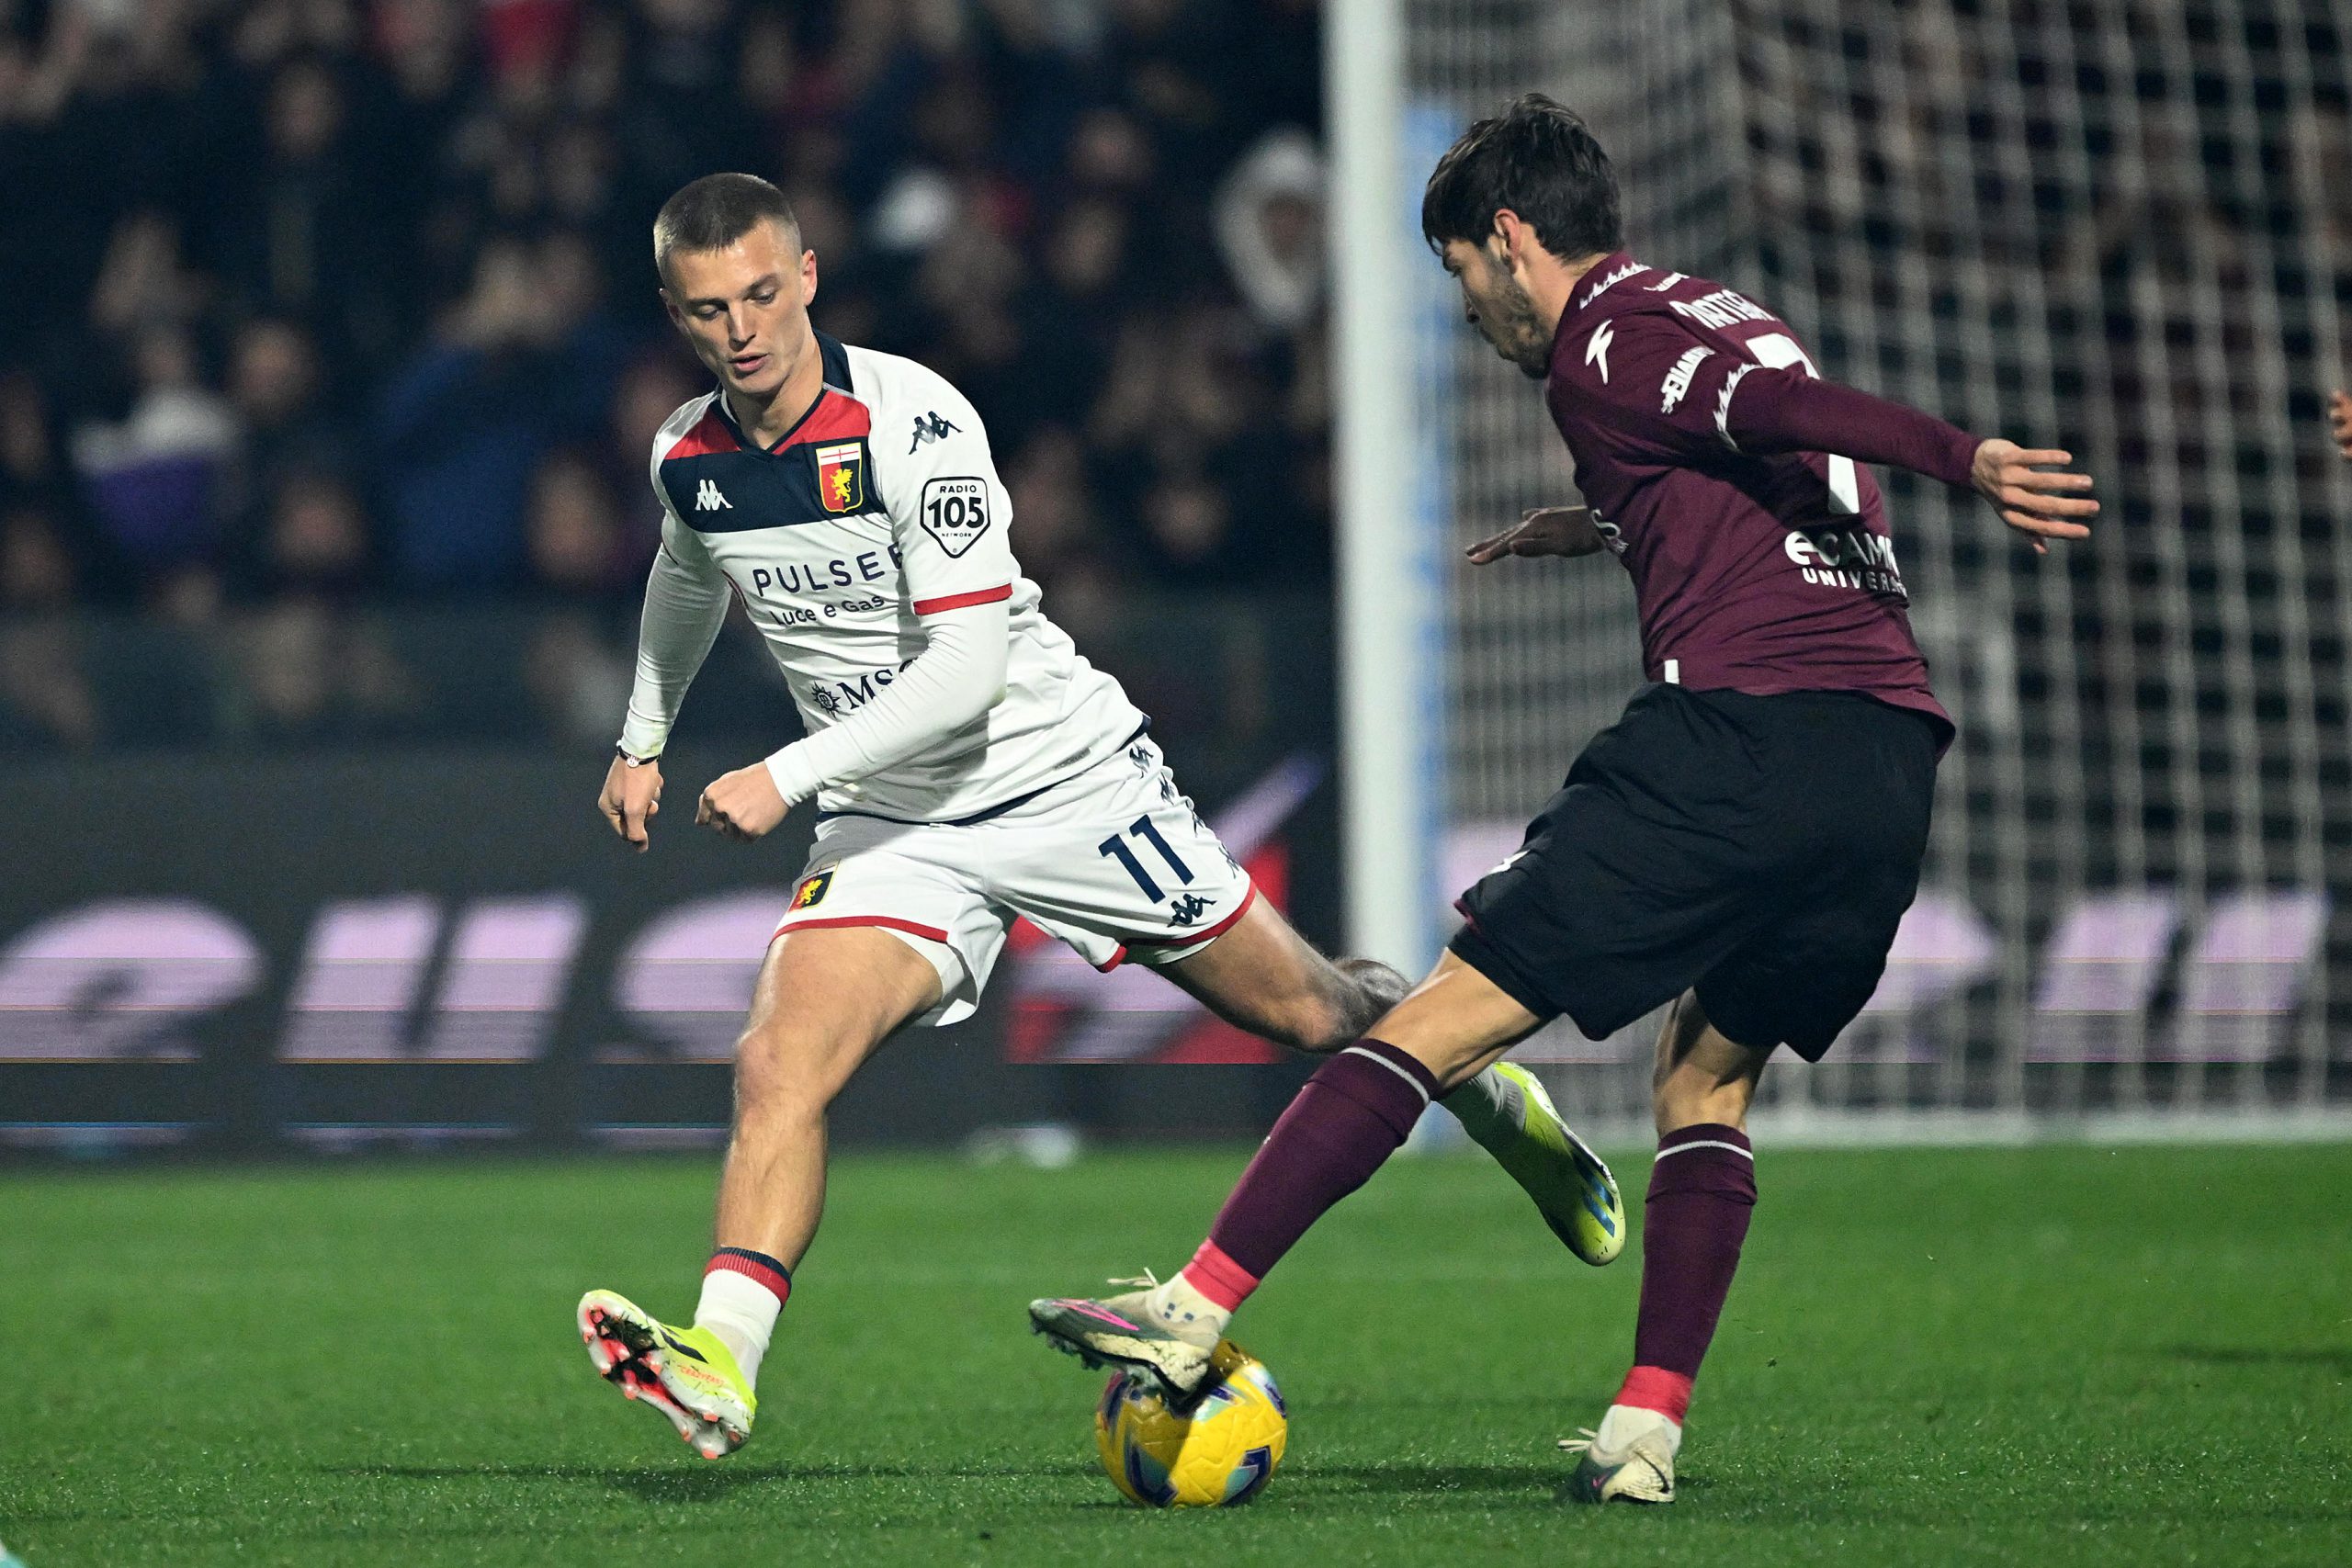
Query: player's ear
808	278
1504	246
1502	243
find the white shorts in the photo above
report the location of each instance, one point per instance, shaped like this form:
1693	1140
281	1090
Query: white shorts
1115	862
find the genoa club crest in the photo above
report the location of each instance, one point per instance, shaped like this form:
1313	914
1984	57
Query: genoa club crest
813	890
841	475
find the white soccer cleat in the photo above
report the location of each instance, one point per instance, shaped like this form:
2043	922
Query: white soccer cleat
1124	1334
1635	1464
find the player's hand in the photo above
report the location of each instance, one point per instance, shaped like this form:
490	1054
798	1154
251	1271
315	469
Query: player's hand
2044	506
742	805
631	797
1541	531
2339	420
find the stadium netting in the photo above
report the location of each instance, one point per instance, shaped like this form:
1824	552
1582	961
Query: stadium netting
2125	230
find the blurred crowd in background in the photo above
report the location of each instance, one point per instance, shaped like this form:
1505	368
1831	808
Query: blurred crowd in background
331	357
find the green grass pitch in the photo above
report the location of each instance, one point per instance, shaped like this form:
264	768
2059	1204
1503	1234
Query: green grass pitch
1992	1355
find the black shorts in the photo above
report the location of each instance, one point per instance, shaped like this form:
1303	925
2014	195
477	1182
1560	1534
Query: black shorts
1759	849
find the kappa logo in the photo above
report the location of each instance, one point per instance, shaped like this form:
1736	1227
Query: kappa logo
931	427
1596	351
813	890
1186	907
708	499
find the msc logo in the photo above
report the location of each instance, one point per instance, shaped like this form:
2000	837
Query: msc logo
931	427
708	499
841	477
813	890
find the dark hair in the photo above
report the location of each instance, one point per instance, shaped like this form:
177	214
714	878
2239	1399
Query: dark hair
714	212
1538	159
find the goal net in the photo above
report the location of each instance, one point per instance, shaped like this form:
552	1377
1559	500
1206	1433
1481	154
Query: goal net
2123	229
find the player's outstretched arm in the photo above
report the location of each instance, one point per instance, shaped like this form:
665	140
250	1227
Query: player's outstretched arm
1541	531
2030	498
1778	409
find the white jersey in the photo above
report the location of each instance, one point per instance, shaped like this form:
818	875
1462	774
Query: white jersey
880	507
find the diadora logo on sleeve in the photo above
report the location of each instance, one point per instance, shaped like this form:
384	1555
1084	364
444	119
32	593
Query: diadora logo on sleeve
931	427
1677	381
841	475
708	499
955	512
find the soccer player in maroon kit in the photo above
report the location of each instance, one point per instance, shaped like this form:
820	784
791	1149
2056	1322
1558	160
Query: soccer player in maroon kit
1742	843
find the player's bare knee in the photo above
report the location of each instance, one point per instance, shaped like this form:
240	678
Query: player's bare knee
786	1073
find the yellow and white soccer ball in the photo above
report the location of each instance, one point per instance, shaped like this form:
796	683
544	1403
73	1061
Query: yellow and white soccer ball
1222	1450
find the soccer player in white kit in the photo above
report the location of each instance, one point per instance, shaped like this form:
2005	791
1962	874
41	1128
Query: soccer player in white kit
967	767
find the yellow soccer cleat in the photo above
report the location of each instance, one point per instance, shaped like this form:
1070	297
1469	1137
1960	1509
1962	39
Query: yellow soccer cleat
685	1373
1571	1185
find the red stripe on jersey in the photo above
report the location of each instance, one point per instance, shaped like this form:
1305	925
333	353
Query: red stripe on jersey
958	601
933	932
711	433
835	418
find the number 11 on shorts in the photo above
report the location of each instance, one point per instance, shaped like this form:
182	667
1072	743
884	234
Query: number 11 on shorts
1115	847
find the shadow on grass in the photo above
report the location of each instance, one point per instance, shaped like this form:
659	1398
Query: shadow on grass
714	1483
1422	1479
704	1483
2337	1360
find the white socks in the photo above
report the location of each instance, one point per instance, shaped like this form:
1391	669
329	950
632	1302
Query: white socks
1192	1316
742	1312
1626	1422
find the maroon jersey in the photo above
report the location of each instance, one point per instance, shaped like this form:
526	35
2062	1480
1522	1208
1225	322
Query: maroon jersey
1722	474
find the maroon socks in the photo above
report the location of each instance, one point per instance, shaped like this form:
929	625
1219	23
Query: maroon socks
1357	1108
1702	1189
1348	1119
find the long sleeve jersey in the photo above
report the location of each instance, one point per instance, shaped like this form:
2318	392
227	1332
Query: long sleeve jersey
868	545
1727	479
